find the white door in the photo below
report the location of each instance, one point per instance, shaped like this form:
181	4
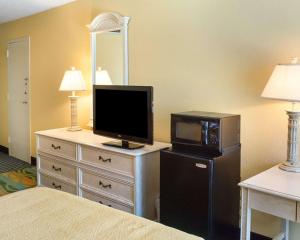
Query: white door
18	99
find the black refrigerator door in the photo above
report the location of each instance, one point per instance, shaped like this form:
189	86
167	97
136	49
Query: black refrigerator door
185	192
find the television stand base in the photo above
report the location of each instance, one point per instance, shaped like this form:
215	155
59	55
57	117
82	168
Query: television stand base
123	144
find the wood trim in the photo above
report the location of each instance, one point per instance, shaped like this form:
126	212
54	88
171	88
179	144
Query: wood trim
3	149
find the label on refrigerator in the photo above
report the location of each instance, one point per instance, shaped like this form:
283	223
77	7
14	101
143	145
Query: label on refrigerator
200	165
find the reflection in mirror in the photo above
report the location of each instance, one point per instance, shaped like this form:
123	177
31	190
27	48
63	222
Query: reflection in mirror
109	56
102	77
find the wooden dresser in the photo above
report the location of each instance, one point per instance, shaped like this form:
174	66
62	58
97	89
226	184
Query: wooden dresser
77	162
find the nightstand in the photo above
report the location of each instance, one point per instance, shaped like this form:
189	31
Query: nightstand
275	192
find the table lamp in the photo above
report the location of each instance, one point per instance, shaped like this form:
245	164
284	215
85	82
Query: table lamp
102	77
284	84
73	81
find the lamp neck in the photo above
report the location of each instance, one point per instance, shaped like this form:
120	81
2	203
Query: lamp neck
294	108
294	60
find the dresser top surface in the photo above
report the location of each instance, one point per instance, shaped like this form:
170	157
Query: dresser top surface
275	181
205	114
87	137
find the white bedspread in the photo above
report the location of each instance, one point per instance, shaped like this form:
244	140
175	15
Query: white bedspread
46	214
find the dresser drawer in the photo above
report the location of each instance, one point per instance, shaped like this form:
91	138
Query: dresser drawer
112	161
58	168
57	184
274	205
57	147
106	201
107	185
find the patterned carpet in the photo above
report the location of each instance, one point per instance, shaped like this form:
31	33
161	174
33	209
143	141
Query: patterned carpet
17	180
8	163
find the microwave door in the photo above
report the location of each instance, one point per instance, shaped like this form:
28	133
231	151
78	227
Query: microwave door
189	131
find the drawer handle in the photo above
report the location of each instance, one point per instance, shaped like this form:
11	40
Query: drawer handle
56	169
55	147
56	186
103	203
104	160
103	185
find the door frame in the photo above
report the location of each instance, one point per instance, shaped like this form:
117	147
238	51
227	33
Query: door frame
16	40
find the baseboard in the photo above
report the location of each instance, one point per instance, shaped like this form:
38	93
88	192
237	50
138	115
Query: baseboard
33	161
3	149
256	236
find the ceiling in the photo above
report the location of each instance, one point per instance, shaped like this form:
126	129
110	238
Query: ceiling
14	9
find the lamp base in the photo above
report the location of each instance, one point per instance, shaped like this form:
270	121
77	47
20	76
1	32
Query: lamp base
286	166
74	129
90	124
74	123
292	164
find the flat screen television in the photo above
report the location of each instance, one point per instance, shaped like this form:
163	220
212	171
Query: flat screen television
124	113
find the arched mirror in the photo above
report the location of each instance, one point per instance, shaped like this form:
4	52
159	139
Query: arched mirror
109	39
109	43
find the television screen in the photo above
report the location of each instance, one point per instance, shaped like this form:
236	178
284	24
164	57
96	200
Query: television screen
124	112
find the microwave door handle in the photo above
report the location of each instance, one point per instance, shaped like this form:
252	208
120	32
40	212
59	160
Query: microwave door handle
204	135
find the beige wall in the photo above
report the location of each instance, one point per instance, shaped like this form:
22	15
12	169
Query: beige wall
215	55
198	54
59	40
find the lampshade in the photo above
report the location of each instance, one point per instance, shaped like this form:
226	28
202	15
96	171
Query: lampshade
284	83
102	77
72	81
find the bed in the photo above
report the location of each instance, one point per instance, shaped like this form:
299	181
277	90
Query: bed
43	213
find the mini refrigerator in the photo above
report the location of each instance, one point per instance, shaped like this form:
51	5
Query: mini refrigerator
199	191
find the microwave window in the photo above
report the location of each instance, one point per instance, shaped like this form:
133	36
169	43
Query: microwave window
188	131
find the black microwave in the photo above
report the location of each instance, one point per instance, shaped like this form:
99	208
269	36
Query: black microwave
204	132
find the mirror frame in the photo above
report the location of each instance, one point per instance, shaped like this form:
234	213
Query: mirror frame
110	22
